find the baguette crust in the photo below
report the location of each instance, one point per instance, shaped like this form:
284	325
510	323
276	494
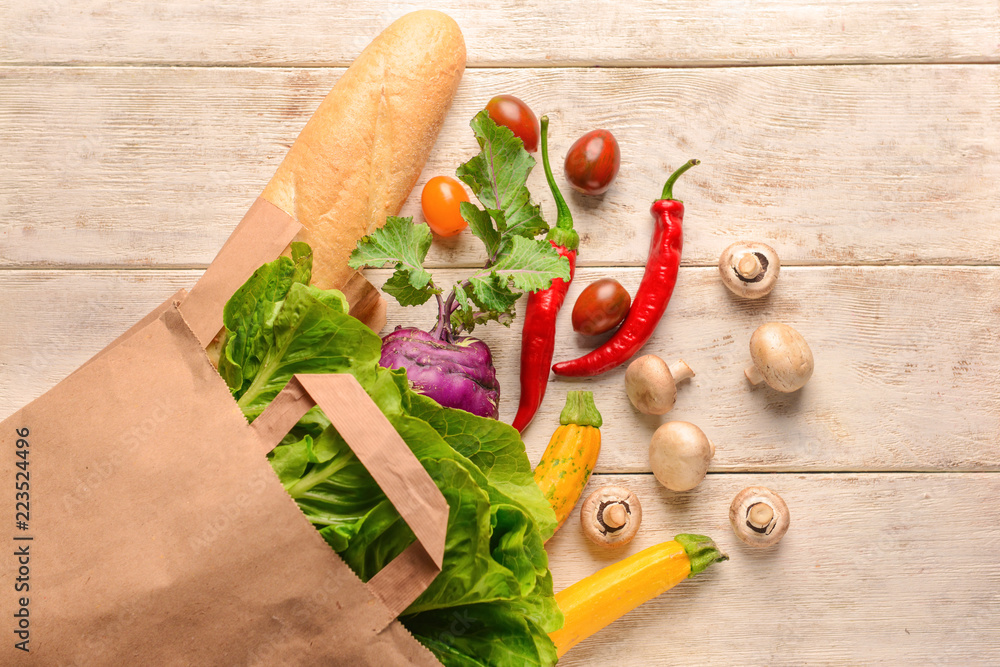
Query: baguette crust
359	156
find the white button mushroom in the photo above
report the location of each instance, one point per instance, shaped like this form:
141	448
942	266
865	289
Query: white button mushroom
759	516
679	454
610	516
749	269
781	358
651	384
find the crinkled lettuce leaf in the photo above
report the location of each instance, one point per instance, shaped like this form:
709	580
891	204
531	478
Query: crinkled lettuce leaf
272	334
498	633
495	575
496	448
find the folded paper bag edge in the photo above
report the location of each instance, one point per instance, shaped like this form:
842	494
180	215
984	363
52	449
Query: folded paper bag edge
385	455
260	236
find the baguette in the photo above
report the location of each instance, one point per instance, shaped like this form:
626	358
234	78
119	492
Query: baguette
361	153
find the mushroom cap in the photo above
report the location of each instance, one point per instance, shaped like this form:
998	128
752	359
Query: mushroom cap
782	356
759	516
650	385
610	516
749	269
679	454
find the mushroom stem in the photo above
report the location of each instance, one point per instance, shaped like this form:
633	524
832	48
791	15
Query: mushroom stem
679	370
754	375
614	516
749	266
760	515
610	516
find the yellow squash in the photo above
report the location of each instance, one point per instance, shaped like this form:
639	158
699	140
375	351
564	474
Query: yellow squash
592	603
571	455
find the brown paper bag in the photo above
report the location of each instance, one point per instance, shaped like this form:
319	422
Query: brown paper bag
143	524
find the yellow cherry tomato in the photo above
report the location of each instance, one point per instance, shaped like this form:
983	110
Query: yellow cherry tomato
440	200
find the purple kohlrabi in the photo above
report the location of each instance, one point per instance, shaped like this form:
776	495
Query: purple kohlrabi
457	374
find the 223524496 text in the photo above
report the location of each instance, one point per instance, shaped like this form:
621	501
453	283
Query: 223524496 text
22	546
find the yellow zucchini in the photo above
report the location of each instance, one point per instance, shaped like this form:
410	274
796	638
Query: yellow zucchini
592	603
571	454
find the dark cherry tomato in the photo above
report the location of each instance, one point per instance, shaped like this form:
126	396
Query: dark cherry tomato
515	115
440	200
601	306
592	162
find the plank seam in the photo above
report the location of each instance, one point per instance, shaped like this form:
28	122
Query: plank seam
528	64
89	268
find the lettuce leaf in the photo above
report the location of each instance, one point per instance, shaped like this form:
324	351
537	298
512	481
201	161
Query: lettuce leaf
496	449
308	331
495	574
498	633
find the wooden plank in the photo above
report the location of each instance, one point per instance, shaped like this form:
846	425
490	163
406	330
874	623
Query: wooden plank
875	569
900	382
54	321
153	167
510	32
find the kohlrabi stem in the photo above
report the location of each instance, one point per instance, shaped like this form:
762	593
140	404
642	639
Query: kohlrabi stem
442	330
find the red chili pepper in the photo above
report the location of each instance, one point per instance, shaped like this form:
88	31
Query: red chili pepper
653	294
539	333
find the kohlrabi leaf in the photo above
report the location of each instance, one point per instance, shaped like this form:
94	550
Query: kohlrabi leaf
398	285
527	265
491	292
399	242
497	176
488	225
531	265
473	311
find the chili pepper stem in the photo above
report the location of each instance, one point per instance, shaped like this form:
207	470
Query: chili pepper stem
563	233
668	188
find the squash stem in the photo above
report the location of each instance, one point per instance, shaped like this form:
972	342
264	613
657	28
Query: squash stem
580	410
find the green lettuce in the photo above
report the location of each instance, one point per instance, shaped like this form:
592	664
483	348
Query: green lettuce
492	603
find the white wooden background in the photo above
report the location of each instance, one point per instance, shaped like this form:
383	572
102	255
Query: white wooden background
859	137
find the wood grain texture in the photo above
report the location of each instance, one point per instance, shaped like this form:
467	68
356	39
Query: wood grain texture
127	174
879	569
532	32
857	165
900	383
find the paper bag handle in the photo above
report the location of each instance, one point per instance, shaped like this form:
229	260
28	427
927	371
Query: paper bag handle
389	460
